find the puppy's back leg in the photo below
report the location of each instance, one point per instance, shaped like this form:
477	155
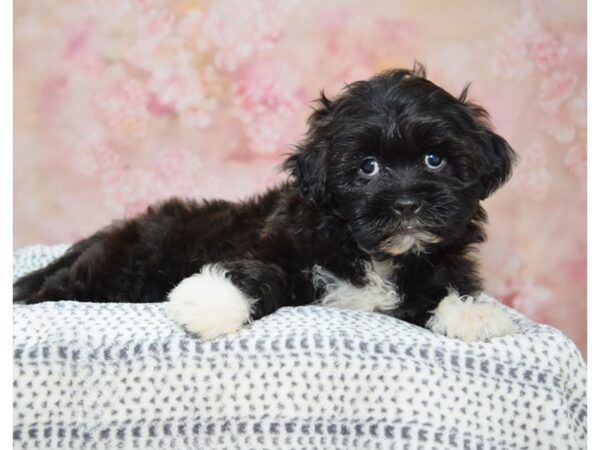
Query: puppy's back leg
27	286
223	297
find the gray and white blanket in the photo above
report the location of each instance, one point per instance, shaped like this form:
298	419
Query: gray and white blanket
123	376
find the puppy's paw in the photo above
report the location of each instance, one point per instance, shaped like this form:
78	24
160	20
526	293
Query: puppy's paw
209	304
465	319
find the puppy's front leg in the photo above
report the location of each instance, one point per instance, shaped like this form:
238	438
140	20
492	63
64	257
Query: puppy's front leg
467	319
223	297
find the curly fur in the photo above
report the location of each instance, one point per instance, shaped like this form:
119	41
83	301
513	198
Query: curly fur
327	215
377	294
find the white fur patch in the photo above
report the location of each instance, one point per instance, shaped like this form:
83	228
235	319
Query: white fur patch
378	294
406	242
465	319
209	304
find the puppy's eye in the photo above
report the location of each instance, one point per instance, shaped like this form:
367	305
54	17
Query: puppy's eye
369	167
434	160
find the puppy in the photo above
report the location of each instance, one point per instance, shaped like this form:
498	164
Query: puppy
381	213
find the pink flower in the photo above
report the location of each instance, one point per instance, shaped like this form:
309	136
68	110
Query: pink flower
185	91
190	27
564	122
84	163
76	43
524	45
361	44
109	13
176	84
577	111
512	59
533	300
517	288
130	190
169	88
546	52
81	54
158	108
576	159
237	29
143	4
155	25
555	89
175	161
158	56
181	172
93	156
266	99
122	103
532	177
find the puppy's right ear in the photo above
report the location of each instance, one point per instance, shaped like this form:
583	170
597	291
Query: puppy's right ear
308	163
498	159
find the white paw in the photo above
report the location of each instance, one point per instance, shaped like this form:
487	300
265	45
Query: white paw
209	304
465	319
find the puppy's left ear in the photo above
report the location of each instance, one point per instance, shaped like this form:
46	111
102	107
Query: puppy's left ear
308	164
497	157
497	161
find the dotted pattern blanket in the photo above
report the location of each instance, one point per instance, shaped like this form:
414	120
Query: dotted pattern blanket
107	376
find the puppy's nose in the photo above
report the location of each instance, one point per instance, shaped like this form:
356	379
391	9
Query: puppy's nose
406	206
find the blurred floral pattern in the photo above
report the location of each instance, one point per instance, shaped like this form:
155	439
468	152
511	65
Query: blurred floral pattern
120	103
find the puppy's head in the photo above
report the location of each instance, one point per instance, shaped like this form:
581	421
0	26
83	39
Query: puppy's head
402	160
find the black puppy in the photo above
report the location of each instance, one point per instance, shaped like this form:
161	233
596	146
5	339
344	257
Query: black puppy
382	213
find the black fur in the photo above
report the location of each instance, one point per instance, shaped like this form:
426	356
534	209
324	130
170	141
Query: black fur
328	214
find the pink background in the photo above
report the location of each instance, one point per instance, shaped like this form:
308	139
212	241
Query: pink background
119	103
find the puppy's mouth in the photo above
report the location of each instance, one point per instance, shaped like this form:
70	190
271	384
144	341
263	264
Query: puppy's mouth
416	242
408	237
388	235
408	226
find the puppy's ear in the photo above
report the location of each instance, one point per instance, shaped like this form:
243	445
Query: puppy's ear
498	159
497	156
308	164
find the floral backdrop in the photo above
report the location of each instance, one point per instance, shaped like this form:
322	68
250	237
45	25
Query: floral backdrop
119	103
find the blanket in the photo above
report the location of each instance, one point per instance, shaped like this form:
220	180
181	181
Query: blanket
106	376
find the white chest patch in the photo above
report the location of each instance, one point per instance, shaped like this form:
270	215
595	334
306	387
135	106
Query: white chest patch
378	294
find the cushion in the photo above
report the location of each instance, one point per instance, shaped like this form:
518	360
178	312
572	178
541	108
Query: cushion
123	376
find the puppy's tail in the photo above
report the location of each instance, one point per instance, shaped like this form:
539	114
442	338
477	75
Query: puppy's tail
28	285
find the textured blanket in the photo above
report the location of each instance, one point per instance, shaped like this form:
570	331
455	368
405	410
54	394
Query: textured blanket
112	376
